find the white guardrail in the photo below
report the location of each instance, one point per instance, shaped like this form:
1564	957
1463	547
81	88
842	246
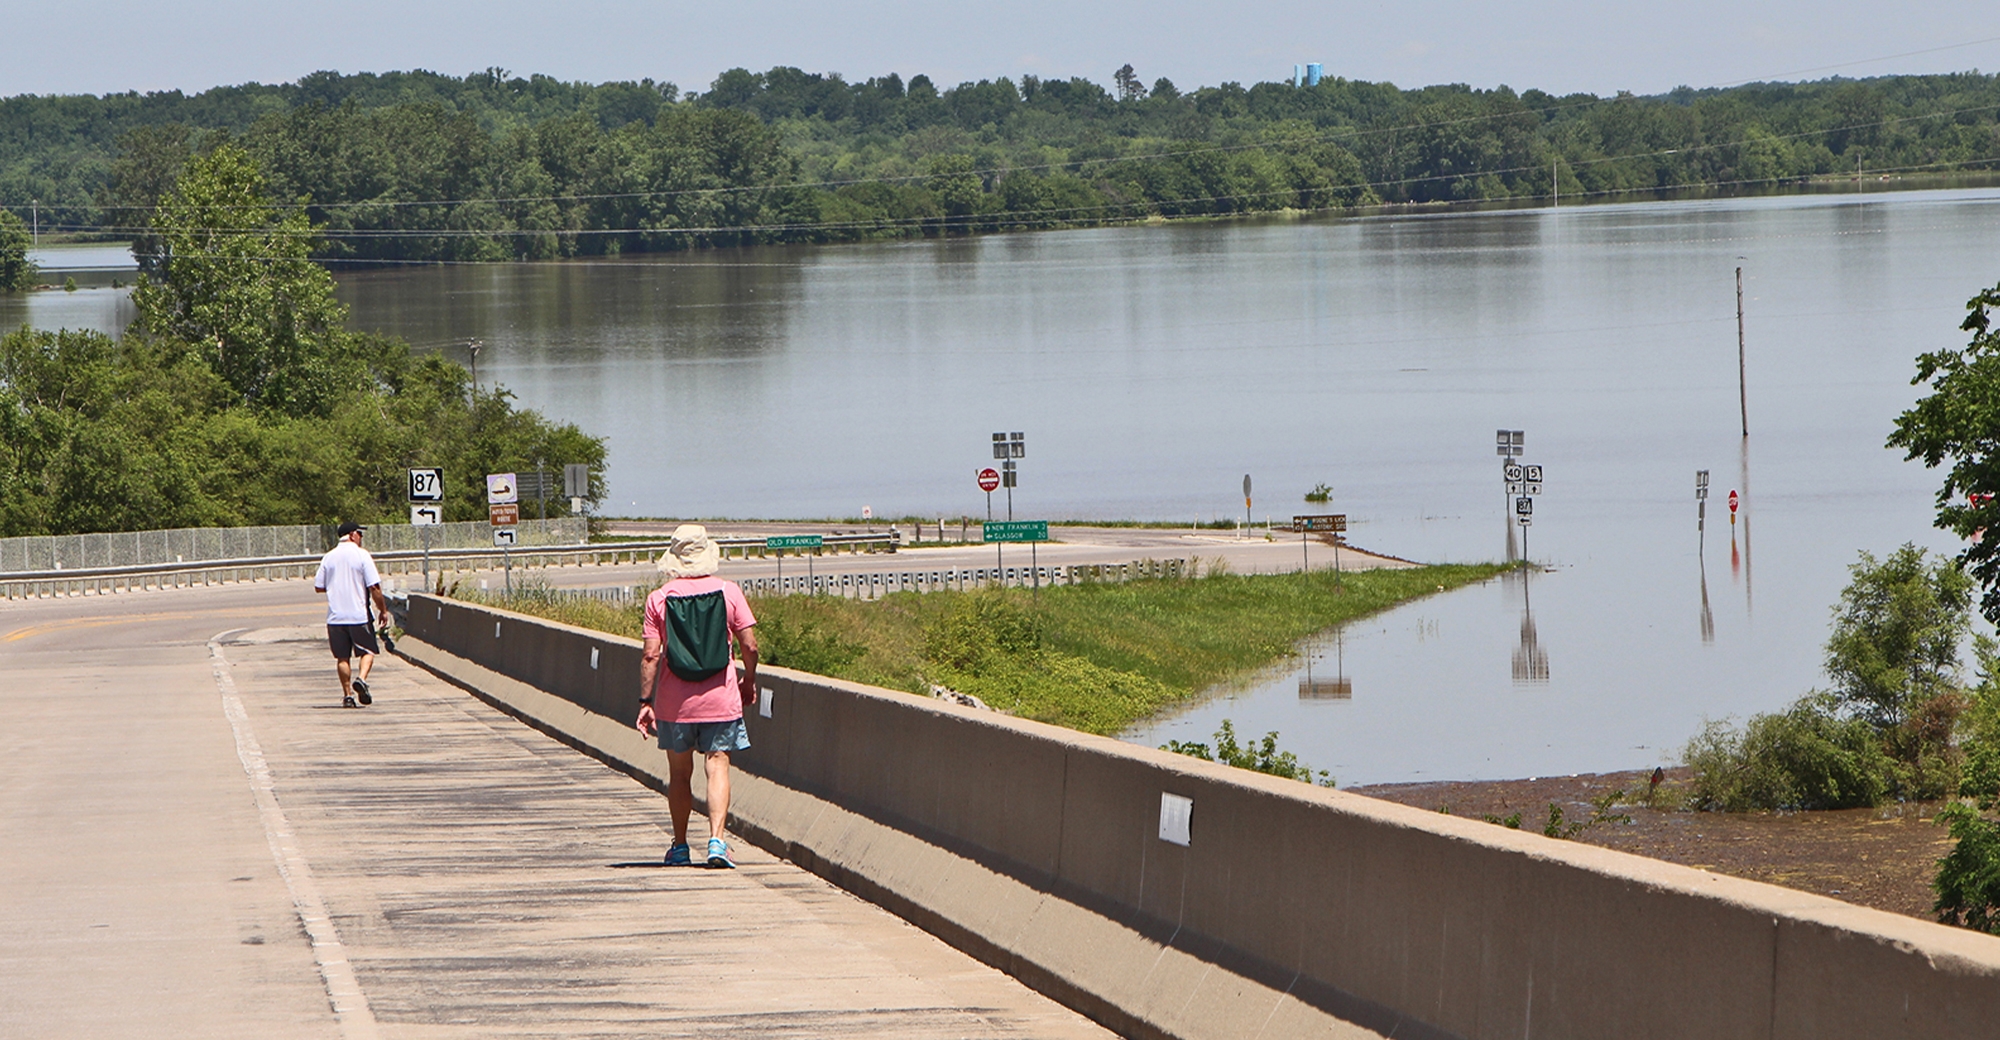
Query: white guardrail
876	584
82	581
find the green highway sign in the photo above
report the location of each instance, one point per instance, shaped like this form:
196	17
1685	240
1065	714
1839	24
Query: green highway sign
1016	531
793	541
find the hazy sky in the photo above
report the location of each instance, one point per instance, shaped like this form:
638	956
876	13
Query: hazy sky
61	47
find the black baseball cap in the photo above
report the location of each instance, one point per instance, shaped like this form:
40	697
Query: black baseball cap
349	528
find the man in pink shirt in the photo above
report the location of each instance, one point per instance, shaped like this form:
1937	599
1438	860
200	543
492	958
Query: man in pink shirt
697	701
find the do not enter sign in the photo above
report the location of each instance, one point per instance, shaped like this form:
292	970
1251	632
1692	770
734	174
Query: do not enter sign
989	478
1732	501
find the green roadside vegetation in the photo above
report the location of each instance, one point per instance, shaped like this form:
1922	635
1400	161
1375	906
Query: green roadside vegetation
493	166
238	396
1094	657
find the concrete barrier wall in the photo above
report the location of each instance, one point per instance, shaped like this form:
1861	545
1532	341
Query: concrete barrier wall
1400	921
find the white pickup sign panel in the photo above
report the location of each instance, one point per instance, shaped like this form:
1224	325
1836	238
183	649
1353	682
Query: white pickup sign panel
1176	817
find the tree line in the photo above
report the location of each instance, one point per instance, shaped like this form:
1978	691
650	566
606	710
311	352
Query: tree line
490	166
238	396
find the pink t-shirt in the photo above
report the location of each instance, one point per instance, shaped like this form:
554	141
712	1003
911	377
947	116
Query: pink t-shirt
716	698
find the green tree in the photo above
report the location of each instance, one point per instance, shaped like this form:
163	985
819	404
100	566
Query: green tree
150	160
957	188
240	398
1896	634
1129	86
238	286
16	270
1968	877
1959	422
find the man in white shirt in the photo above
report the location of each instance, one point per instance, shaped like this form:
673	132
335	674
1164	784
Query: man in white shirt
348	579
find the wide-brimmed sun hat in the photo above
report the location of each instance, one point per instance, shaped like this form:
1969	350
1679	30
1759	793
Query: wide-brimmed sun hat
690	554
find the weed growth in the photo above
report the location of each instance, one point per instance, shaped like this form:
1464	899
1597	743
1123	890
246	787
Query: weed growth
1600	813
1262	756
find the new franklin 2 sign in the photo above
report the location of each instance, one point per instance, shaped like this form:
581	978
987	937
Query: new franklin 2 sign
1016	531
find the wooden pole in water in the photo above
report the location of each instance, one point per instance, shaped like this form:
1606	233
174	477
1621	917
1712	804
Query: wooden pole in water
1742	394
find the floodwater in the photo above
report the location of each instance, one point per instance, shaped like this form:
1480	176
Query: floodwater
1152	367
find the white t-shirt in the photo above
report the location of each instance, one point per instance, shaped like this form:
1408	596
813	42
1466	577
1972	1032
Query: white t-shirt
345	574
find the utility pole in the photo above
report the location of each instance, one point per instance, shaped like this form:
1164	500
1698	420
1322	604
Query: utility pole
1742	394
35	214
472	347
1555	187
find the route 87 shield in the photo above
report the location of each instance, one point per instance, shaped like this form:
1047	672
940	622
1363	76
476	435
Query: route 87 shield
427	485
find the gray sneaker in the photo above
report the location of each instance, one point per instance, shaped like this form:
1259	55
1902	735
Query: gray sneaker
361	691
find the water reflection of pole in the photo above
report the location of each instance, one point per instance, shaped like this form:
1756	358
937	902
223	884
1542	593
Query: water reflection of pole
1337	688
1744	509
1531	661
1707	617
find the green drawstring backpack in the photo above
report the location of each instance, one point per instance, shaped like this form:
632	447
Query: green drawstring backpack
697	635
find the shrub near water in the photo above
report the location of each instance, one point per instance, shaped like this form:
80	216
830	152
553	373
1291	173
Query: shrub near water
1262	756
1806	757
1888	727
1968	878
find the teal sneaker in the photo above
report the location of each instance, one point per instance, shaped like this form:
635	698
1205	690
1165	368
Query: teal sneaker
718	854
677	855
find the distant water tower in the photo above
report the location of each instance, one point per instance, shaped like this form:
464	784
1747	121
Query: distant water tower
1312	74
1306	75
1298	75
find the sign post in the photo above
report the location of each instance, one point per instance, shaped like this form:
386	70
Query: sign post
1246	505
989	480
1701	509
1510	445
1333	524
1030	531
1008	447
503	511
781	542
426	509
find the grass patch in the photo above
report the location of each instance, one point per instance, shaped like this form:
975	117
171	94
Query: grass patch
1093	657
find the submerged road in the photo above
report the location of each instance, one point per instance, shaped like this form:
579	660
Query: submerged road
195	840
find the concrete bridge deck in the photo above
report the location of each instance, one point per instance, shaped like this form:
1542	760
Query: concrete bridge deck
427	867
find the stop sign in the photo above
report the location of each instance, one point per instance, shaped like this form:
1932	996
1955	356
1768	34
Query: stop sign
989	478
1732	501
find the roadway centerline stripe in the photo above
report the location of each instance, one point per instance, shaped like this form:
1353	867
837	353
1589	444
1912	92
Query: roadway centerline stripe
350	1005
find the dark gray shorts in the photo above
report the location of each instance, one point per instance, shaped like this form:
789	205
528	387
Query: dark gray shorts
705	737
348	640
